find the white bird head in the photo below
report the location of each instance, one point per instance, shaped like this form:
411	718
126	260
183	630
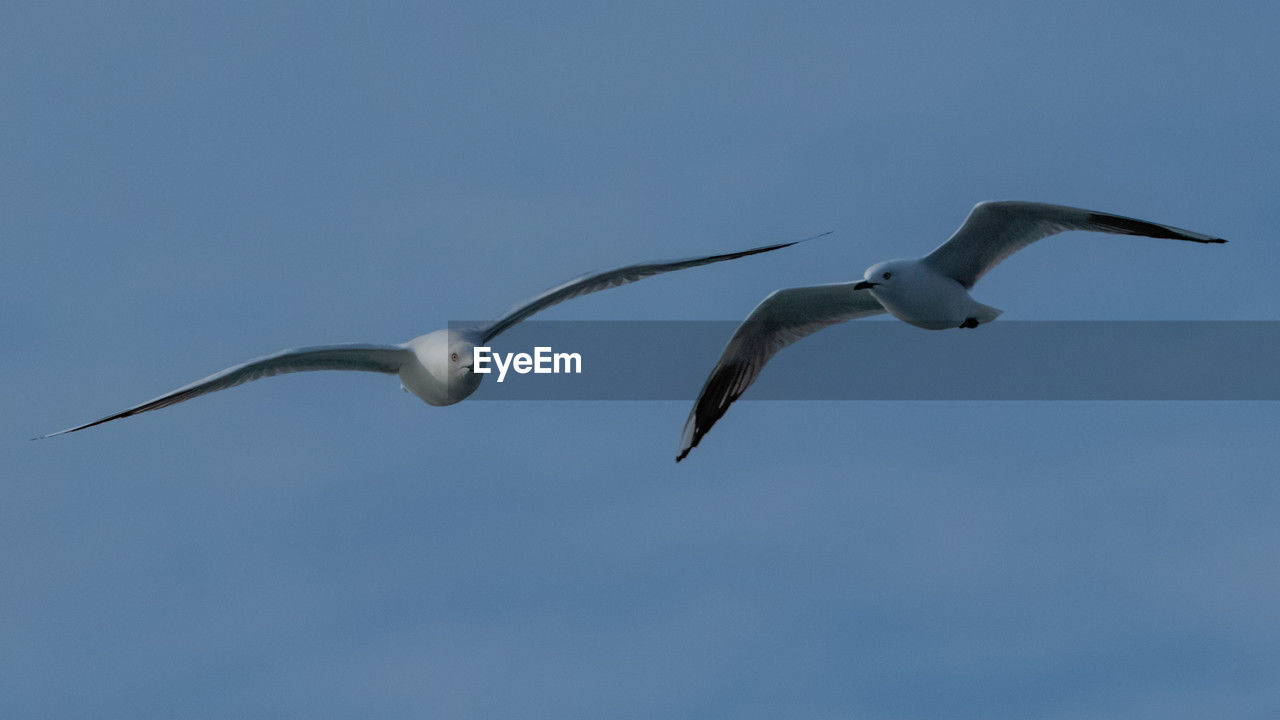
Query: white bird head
883	276
445	375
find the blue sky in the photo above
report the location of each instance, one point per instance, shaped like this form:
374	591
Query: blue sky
186	186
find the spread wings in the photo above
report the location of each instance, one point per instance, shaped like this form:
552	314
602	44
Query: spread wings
369	358
995	230
594	282
783	318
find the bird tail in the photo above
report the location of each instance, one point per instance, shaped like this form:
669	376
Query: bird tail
985	313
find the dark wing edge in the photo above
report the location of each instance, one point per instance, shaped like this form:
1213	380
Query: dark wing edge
784	317
995	230
1122	225
594	282
368	358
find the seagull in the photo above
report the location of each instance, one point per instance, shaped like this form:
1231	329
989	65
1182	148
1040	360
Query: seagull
931	292
437	367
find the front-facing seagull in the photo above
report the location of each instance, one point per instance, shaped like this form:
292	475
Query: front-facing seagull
437	366
931	292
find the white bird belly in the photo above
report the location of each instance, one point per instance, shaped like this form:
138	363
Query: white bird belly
419	381
928	301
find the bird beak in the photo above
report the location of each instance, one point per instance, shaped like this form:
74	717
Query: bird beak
865	285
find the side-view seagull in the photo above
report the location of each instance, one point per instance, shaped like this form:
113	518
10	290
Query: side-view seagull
930	292
437	367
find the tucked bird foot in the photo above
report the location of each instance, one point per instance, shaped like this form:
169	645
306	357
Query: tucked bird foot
969	323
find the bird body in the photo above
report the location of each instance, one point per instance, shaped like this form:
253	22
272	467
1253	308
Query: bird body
441	370
916	293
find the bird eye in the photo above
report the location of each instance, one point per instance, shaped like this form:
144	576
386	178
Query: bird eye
454	357
886	276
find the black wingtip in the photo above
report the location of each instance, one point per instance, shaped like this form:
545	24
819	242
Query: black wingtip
1132	226
779	246
46	436
812	237
693	443
53	434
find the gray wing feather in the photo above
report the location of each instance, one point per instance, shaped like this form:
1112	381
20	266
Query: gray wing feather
780	320
594	282
995	230
368	358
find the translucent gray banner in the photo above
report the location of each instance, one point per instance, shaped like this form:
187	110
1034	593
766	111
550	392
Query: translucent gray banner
889	360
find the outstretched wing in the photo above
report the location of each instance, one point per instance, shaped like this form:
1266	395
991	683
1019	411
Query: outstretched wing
593	282
995	230
783	318
369	358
